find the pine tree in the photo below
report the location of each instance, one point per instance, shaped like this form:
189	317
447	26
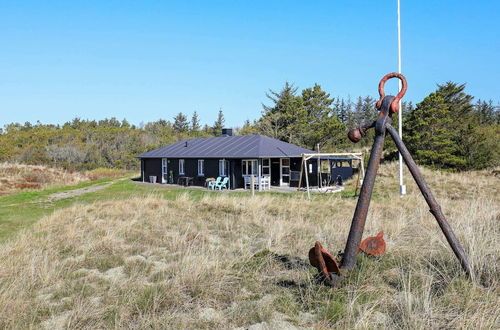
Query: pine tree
369	112
195	122
125	123
181	124
358	113
344	108
285	118
248	128
487	113
218	124
441	131
207	129
322	125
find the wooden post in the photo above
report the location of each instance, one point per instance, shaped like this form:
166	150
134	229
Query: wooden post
259	172
252	184
307	179
143	170
301	171
357	183
363	166
318	167
319	173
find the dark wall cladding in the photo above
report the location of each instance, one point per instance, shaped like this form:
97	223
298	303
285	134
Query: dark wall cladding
237	178
153	167
344	172
210	170
295	164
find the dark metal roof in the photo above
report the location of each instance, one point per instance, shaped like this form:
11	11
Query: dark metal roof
245	146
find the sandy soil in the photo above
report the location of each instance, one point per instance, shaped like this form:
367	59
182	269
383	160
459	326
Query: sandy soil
77	192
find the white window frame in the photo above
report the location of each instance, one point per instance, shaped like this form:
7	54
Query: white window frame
244	167
282	183
201	167
181	167
164	170
268	167
223	167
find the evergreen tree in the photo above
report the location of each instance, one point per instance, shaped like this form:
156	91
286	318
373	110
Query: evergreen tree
181	124
443	132
285	118
218	124
322	125
368	110
358	113
125	123
207	129
487	113
195	122
344	109
248	128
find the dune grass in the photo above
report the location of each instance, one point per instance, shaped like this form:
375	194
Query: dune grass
15	178
128	258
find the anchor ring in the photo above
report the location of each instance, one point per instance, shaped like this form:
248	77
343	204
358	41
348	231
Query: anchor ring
394	107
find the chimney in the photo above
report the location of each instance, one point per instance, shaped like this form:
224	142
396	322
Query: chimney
227	132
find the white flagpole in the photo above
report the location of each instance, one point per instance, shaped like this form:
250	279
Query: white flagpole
402	187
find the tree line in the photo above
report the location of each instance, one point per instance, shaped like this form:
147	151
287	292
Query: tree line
88	144
445	130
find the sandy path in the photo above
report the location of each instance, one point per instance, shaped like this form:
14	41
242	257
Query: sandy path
77	192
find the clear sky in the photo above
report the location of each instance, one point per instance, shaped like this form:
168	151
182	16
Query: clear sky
145	60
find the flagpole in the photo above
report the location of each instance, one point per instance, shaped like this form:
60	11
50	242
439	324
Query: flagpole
402	187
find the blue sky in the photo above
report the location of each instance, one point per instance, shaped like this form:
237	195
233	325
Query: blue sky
145	60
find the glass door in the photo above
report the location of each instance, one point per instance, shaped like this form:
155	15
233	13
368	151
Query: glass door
285	171
164	170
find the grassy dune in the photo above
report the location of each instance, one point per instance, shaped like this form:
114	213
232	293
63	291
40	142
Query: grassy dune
21	177
225	260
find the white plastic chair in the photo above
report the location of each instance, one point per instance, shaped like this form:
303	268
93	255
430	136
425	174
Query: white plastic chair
265	183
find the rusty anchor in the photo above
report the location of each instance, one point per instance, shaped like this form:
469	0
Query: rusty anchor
322	259
373	245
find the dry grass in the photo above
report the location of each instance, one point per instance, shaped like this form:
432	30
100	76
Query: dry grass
20	177
225	261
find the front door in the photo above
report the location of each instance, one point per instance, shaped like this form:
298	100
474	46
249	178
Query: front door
285	172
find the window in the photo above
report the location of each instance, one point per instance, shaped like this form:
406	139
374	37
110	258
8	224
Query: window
181	166
249	167
325	166
164	171
266	166
223	166
285	171
201	165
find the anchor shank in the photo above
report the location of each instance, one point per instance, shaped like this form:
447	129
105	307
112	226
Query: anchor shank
435	209
359	218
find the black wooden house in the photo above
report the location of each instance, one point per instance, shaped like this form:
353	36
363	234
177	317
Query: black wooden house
229	156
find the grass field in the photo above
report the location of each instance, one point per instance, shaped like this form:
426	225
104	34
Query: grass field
20	177
130	256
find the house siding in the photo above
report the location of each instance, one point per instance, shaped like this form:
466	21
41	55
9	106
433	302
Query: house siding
153	167
236	174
